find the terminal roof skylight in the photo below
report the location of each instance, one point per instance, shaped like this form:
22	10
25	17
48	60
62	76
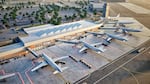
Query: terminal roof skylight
58	29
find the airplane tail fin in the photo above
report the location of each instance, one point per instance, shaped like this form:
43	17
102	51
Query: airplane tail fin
102	48
55	72
64	68
102	18
140	28
39	66
118	15
126	39
114	17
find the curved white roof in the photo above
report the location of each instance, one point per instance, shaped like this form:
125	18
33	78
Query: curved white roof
40	32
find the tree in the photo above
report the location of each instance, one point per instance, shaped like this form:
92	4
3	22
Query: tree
74	15
56	13
59	20
85	13
69	17
1	7
32	22
4	21
20	13
40	21
33	12
33	3
3	1
29	3
29	16
23	15
7	8
27	13
53	21
66	17
5	16
95	12
27	6
49	21
14	16
15	24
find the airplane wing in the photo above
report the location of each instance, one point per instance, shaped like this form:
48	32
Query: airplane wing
108	39
94	46
65	41
102	18
125	22
64	68
33	52
120	22
60	58
7	76
39	66
109	28
89	46
95	33
102	48
116	37
97	44
131	30
83	49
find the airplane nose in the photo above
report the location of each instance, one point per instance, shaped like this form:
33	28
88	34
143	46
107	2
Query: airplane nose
99	52
125	40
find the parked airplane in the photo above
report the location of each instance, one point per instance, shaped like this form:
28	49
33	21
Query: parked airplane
124	30
86	46
109	37
115	21
110	18
51	62
7	76
33	53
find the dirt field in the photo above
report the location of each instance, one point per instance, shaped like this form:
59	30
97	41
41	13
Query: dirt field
143	78
143	3
142	18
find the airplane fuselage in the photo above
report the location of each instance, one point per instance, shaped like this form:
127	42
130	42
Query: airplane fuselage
116	37
91	47
51	62
131	30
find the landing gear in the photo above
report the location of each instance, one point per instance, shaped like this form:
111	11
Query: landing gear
84	52
130	34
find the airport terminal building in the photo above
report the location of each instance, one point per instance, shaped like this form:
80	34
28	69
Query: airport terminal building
41	38
45	35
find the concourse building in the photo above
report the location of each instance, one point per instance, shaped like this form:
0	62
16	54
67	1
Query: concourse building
39	37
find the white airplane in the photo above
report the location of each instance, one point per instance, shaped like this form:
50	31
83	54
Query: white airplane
110	18
124	30
115	21
86	46
109	37
33	52
7	76
51	62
